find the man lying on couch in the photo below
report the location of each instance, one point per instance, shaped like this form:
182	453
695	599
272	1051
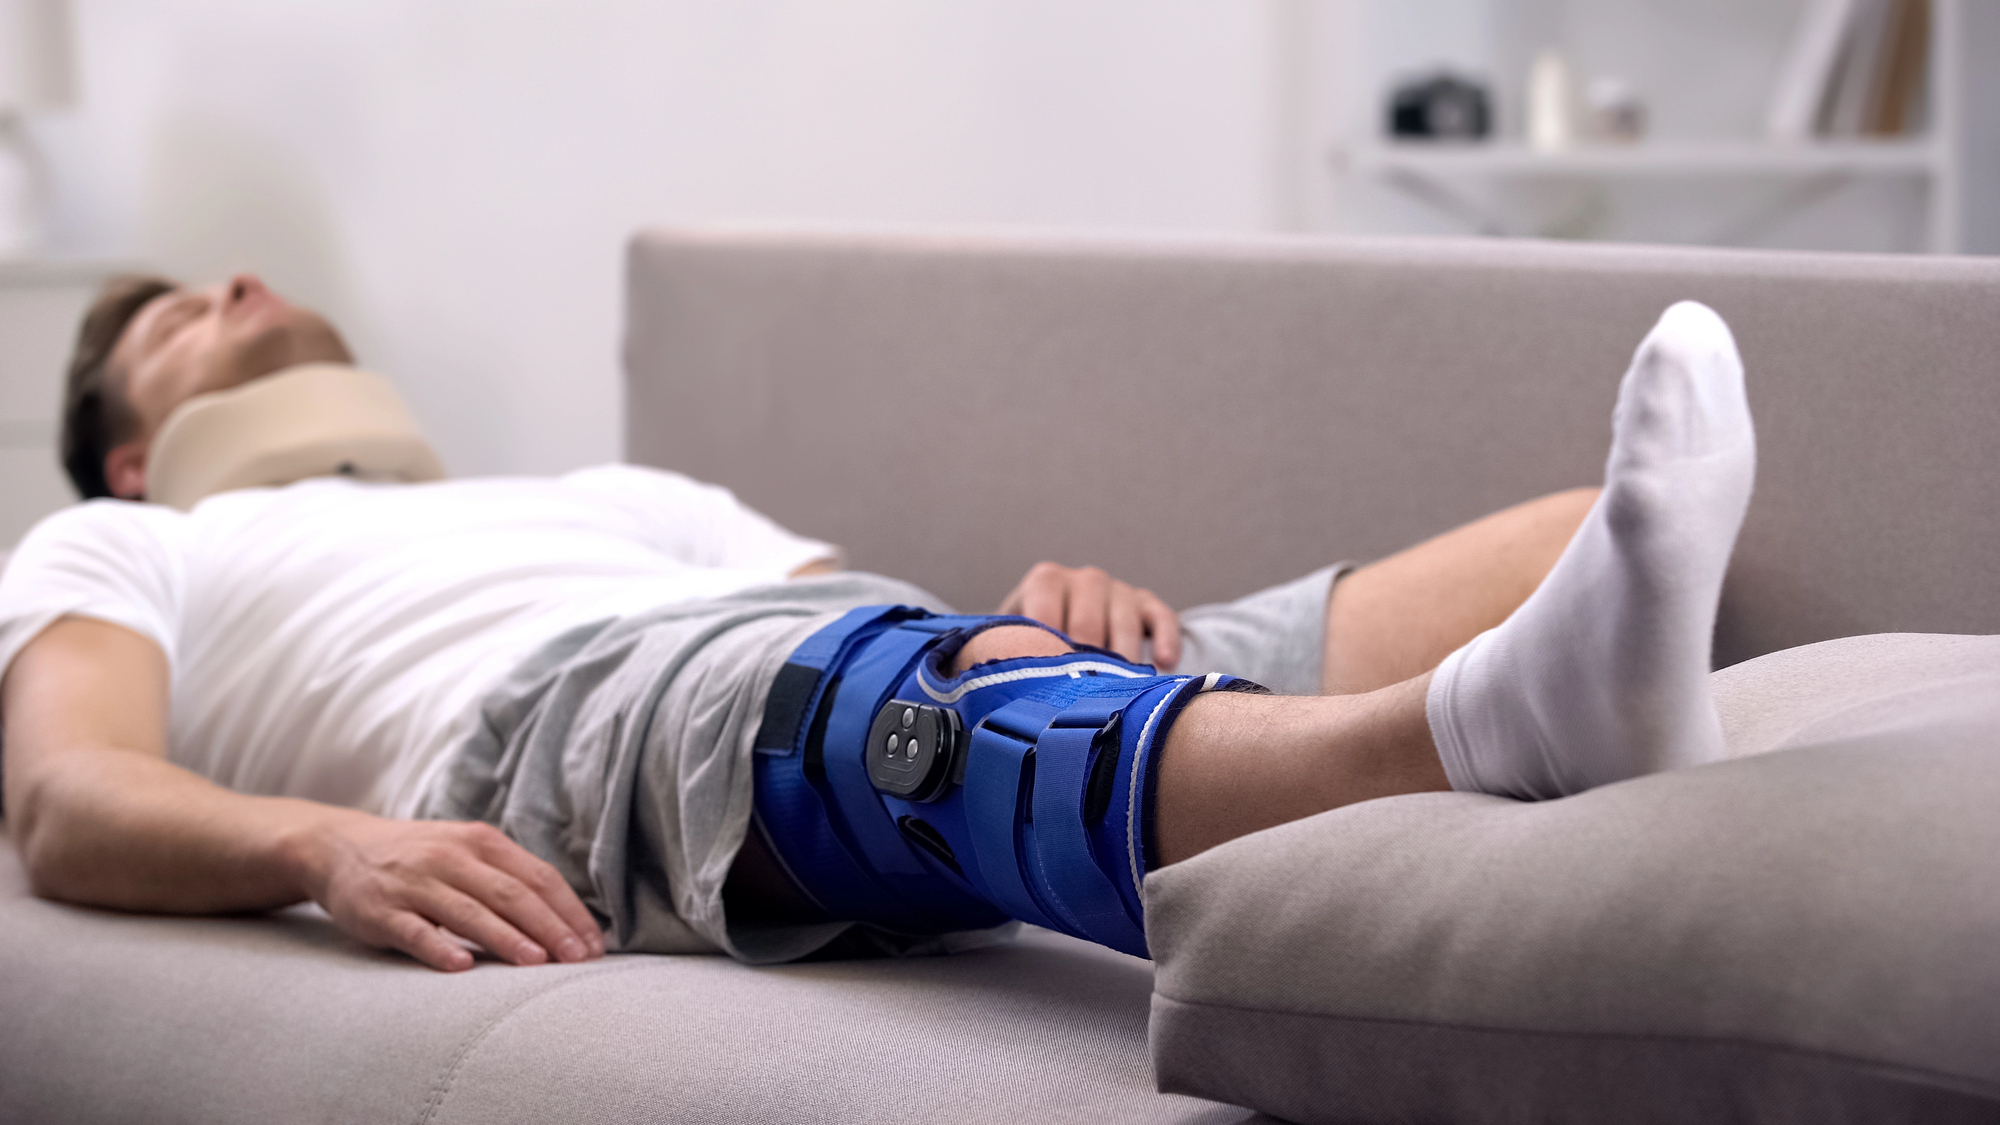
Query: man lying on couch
534	713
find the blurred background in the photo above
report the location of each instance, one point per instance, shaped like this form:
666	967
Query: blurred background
453	181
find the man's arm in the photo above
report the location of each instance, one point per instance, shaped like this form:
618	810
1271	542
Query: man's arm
101	817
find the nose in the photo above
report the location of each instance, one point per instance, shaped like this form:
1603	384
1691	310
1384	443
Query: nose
244	286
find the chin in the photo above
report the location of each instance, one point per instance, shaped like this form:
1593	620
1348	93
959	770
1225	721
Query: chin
299	336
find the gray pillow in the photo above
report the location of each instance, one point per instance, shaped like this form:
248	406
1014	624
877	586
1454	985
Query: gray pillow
1808	932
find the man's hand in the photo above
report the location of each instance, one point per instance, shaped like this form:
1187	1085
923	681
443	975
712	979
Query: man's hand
395	882
1097	609
100	817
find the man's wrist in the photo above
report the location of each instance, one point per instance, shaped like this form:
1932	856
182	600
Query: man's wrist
306	845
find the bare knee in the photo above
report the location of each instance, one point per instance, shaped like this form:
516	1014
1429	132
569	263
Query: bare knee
1399	617
1568	506
1008	642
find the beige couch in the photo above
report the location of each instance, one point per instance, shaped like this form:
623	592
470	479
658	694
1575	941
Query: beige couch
1806	934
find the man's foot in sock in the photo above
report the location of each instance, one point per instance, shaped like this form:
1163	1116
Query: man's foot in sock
1602	674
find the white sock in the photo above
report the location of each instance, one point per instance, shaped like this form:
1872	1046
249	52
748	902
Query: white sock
1602	674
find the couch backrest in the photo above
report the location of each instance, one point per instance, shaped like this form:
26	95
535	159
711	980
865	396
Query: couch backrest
1208	416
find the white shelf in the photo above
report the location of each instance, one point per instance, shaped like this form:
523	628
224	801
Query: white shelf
1805	194
1654	159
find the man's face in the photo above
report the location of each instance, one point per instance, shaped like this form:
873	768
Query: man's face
193	341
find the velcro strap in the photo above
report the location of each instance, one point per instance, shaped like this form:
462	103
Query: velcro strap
1071	877
997	793
786	707
1094	712
799	684
879	667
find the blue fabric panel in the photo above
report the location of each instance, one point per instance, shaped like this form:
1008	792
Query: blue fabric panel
996	799
838	872
883	662
1062	858
797	822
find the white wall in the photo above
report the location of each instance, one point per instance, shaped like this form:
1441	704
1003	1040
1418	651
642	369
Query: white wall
453	180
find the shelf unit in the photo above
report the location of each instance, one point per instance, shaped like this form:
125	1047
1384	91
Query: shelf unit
1448	176
1662	158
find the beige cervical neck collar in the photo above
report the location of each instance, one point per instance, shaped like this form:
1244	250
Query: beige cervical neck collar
314	420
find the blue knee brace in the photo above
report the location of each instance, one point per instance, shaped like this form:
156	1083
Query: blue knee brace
898	794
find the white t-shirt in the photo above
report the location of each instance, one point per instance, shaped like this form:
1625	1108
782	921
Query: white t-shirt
332	639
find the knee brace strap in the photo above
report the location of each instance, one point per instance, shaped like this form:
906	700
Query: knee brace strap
901	795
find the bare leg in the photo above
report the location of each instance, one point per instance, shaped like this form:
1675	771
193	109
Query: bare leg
1236	764
1398	617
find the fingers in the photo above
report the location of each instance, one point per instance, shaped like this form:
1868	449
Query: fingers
398	882
1126	627
553	915
487	917
466	915
1096	609
1043	594
509	899
417	936
410	918
1164	626
1011	604
1089	607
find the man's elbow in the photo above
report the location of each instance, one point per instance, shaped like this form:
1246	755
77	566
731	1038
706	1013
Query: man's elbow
40	860
51	863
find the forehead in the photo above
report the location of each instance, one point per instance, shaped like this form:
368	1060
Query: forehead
132	341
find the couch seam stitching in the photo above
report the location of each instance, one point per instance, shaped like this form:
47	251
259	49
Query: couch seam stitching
1641	1036
442	1087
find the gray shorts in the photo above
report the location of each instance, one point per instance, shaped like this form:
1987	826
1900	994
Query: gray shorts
621	754
1276	637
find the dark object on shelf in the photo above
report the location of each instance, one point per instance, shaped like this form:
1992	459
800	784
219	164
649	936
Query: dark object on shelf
1440	107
